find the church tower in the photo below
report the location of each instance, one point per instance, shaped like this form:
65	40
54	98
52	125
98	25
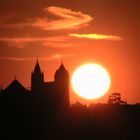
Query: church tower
37	79
62	85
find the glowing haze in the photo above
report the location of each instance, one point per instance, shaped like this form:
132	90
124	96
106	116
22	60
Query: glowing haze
75	32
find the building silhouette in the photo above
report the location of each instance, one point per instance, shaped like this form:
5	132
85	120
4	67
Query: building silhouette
54	94
15	89
42	112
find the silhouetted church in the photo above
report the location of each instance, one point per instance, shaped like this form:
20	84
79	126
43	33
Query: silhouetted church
54	93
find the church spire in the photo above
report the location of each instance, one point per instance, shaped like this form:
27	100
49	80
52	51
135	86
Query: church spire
37	67
37	78
62	67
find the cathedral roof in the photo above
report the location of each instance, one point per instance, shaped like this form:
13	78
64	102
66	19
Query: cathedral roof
15	88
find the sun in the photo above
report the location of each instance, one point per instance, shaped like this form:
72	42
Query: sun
91	81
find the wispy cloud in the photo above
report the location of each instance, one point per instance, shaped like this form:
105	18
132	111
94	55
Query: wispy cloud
22	42
24	39
64	19
49	58
67	19
57	41
13	26
6	17
97	36
12	21
16	59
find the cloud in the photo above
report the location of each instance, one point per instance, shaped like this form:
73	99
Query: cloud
97	36
14	25
22	42
12	21
68	41
24	39
59	42
51	42
49	58
16	59
67	19
6	17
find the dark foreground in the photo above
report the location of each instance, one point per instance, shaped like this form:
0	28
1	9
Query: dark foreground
29	119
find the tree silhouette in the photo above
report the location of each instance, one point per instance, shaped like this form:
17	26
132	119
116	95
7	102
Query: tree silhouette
115	98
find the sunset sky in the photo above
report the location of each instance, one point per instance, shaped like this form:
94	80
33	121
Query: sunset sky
75	32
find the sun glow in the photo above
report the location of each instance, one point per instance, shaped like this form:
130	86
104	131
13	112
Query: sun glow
90	81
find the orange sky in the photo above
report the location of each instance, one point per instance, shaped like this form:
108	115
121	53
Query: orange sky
75	32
